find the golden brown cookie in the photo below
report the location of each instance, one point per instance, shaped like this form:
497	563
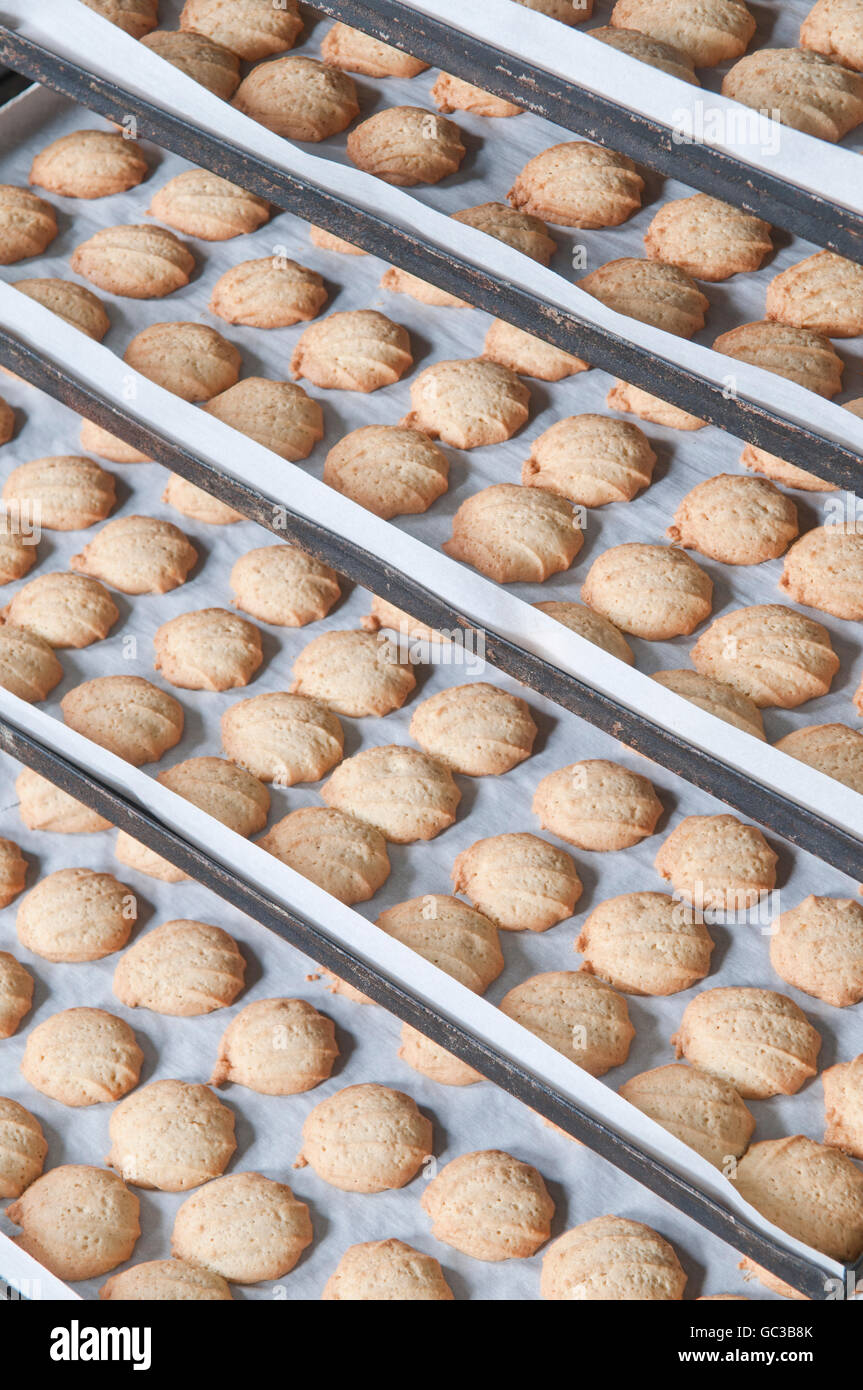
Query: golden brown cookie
834	749
282	585
795	353
343	855
564	10
475	729
612	1259
813	1192
327	241
633	401
711	32
520	230
717	862
431	1060
135	262
389	470
835	29
385	614
579	185
576	1014
197	504
818	948
354	51
135	855
597	805
489	1205
18	545
252	29
283	738
42	806
843	1107
16	999
82	1057
73	303
203	205
406	145
166	1281
402	282
650	291
77	1221
135	17
591	459
645	943
451	93
407	795
299	98
28	224
593	627
244	1226
206	62
181	969
360	350
657	54
707	238
769	652
652	591
529	356
7	421
273	292
823	293
716	697
512	533
780	471
95	440
171	1136
189	359
468	402
800	89
13	871
66	610
128	715
353	673
386	1271
702	1110
739	521
518	881
824	570
28	666
277	1047
228	793
456	938
755	1039
65	492
22	1148
212	649
366	1138
138	555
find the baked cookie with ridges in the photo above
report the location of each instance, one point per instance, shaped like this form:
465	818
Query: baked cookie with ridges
353	673
389	470
516	534
16	998
95	440
341	854
593	627
205	206
13	871
577	1014
282	585
244	1226
489	1205
181	969
597	805
709	33
591	459
276	1047
213	649
612	1259
451	93
756	1040
454	937
564	10
834	28
387	1271
65	491
475	729
206	62
834	749
738	521
650	291
812	1192
359	350
138	555
77	1221
788	474
631	400
89	164
578	185
273	292
28	224
283	738
7	421
76	915
707	238
529	356
328	241
190	360
73	303
82	1057
18	547
385	614
406	794
171	1136
252	29
657	54
22	1148
717	862
701	1110
800	89
197	504
645	943
716	697
125	714
771	653
162	1281
135	17
824	570
795	353
520	230
843	1107
42	806
366	1138
354	51
65	610
134	262
299	98
468	402
818	948
407	145
402	282
652	591
823	293
228	793
135	855
429	1059
28	666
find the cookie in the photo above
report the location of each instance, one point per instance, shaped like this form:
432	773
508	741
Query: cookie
451	93
190	360
197	504
135	855
489	1205
181	969
95	440
717	862
527	355
283	738
577	1014
818	948
468	403
402	282
327	241
773	654
406	795
756	1040
7	421
738	521
171	1136
454	937
699	1109
361	350
252	29
833	28
276	1047
282	585
716	697
22	1148
82	1057
780	471
709	33
366	1138
244	1226
78	306
206	62
564	10
76	915
833	749
795	353
135	17
18	546
475	729
353	673
128	715
66	492
212	649
344	856
579	185
28	224
203	205
28	666
65	610
406	145
273	292
633	401
77	1221
590	459
650	291
843	1107
707	238
593	627
138	555
16	999
651	591
89	164
657	54
228	793
824	570
299	98
13	872
166	1281
134	262
354	51
645	943
520	230
518	881
387	469
385	614
597	805
612	1259
800	89
42	806
386	1271
823	293
812	1192
433	1061
516	534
